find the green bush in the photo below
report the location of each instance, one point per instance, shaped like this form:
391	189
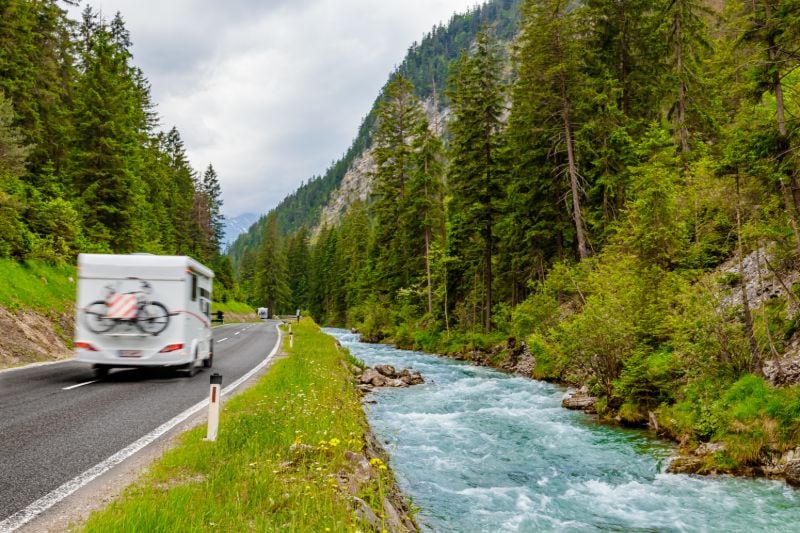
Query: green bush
548	365
536	314
648	379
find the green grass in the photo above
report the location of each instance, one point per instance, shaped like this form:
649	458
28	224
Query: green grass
251	479
232	307
38	286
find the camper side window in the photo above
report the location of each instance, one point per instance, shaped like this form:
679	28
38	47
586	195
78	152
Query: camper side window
205	302
194	288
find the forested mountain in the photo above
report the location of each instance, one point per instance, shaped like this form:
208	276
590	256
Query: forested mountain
84	163
618	187
427	63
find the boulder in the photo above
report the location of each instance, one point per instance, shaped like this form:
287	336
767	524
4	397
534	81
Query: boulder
362	470
579	400
413	379
368	375
685	464
388	376
365	514
710	448
792	473
392	520
386	370
783	371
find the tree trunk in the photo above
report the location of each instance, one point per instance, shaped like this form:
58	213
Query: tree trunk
755	356
792	213
572	167
428	267
487	280
573	177
684	132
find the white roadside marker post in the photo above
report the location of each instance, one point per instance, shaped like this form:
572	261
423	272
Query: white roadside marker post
213	407
291	337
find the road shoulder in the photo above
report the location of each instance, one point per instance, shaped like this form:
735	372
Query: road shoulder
73	510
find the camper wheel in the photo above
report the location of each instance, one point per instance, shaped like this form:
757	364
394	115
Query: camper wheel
190	369
100	371
210	361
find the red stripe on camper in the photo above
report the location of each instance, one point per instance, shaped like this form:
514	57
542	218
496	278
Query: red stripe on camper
122	306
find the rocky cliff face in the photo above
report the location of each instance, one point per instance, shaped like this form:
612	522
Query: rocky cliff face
356	185
357	182
763	282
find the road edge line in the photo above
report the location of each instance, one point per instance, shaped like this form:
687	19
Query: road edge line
23	516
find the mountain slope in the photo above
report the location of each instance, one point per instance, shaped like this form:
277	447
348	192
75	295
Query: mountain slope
236	226
427	65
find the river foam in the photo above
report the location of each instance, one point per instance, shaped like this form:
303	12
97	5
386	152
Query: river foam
479	450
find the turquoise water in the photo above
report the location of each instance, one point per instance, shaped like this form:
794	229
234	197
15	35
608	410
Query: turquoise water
479	450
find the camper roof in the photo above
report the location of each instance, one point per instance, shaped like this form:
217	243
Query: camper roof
118	266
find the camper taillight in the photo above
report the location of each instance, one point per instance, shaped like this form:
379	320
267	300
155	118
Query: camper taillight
85	346
171	348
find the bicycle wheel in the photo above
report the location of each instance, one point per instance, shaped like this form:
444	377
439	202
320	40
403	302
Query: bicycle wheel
152	317
96	317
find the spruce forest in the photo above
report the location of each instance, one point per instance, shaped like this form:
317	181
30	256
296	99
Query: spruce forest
84	163
613	182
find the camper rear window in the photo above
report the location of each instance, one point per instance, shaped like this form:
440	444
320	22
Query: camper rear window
194	287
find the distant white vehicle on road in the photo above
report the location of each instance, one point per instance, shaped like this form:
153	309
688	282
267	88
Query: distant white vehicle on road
143	310
263	313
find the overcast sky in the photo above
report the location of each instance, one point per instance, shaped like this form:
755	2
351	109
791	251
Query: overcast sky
270	91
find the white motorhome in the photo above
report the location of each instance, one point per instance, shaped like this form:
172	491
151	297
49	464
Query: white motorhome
143	310
263	313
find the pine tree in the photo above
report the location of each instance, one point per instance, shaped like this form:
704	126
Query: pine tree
550	76
105	163
474	173
182	185
13	154
625	46
36	67
299	263
271	276
399	116
425	192
688	41
212	192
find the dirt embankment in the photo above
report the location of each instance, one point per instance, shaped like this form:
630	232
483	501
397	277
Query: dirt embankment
30	337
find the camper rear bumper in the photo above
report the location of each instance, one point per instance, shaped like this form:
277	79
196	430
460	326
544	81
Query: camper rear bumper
131	358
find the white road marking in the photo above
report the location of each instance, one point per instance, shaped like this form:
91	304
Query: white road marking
81	384
20	518
223	340
237	332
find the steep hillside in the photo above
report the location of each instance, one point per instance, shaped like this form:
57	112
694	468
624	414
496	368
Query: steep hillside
428	65
36	312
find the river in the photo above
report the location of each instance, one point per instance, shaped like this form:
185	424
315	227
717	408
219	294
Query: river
480	450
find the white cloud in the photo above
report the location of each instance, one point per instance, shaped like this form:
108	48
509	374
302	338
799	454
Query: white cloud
270	92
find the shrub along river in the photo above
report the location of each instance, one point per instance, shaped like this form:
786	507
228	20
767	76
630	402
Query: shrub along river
480	450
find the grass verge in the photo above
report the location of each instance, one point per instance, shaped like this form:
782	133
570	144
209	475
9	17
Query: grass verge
47	289
281	460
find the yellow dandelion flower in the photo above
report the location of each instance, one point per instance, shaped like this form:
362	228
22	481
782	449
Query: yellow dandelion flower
334	442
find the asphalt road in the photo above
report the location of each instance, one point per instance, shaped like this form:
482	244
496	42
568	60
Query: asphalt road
49	435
